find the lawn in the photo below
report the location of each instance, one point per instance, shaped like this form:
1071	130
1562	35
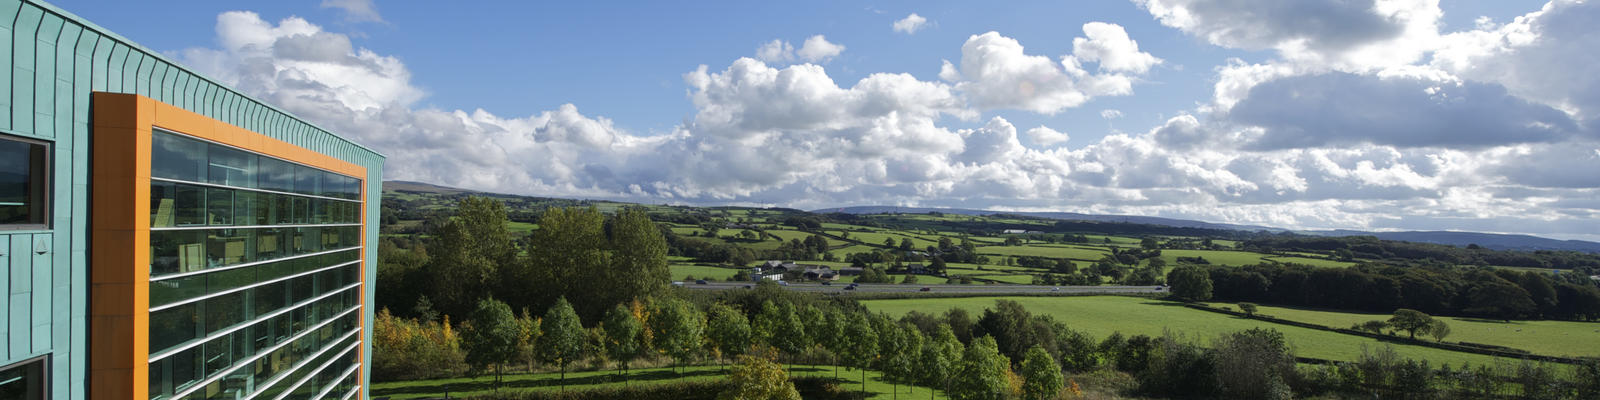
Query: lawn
463	387
1100	316
1555	338
1076	253
1216	257
700	272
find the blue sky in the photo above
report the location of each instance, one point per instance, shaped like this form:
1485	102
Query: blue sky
1338	114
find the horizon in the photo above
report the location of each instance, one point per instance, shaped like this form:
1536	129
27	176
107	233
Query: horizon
1151	107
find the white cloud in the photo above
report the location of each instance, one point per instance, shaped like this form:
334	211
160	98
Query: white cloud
1110	114
1044	136
818	49
1285	144
355	10
996	72
910	24
776	51
1109	45
1350	34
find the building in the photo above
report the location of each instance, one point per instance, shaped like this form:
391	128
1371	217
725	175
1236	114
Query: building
164	236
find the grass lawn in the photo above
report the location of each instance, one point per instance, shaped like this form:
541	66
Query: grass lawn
1100	316
1315	262
1076	253
700	272
549	381
521	228
1216	257
1555	338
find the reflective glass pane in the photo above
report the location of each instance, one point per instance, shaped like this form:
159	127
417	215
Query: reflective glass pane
169	291
173	326
190	205
219	207
231	167
163	204
176	157
228	246
177	251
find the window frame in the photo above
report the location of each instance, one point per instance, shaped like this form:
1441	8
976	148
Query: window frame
42	362
44	196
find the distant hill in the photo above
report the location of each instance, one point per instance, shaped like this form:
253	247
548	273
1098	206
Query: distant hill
1489	240
419	187
1131	219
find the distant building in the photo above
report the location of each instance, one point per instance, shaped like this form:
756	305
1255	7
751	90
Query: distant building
849	271
916	269
1014	231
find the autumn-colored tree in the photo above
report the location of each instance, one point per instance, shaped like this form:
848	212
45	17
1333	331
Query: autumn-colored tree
755	378
622	333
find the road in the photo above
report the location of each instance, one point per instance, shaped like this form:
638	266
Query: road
939	288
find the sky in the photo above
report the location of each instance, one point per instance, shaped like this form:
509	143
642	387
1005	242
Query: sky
1471	115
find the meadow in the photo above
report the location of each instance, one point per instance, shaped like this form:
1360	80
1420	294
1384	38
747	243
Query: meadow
1100	316
1554	338
700	272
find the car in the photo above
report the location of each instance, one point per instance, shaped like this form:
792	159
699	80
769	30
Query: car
926	289
854	285
826	283
700	282
1055	289
851	287
677	284
747	287
783	283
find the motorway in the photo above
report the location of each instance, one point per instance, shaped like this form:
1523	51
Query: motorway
940	288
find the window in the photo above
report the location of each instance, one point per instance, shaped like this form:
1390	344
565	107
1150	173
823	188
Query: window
24	381
24	183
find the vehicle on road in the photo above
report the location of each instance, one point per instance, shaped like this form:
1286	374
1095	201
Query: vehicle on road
826	283
700	282
783	283
677	284
926	289
747	287
1055	289
851	287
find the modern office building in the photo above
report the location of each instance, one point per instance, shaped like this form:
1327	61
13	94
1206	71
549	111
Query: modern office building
163	236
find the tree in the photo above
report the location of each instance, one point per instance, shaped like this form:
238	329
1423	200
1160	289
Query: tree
937	266
1374	326
758	379
567	259
1041	374
678	328
1500	299
562	341
1190	283
492	341
939	359
897	349
861	346
622	336
1254	364
1149	244
728	330
1411	321
1248	308
528	338
982	372
1439	330
467	254
638	267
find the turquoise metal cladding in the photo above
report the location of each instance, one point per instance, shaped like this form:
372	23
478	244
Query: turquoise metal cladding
56	60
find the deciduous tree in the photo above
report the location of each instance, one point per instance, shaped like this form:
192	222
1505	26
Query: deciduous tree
563	339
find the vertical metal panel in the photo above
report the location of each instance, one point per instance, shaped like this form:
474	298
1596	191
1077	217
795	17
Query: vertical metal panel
115	67
5	298
22	55
17	318
8	16
21	269
43	250
44	76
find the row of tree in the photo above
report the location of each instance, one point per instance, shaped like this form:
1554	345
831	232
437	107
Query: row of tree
1468	291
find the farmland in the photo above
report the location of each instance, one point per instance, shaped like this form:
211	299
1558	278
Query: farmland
1100	316
1554	338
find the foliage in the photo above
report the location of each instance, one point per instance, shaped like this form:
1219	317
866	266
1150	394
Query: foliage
1248	308
1190	283
623	334
678	328
1411	321
982	372
1041	374
406	349
491	336
562	338
467	254
1254	364
755	378
727	330
937	363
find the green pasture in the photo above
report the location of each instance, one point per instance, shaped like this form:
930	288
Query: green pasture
1554	338
1100	316
1040	250
700	272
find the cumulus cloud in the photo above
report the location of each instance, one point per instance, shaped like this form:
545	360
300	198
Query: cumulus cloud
1109	45
818	49
355	10
1294	146
1044	136
776	51
996	71
910	24
1110	113
1346	33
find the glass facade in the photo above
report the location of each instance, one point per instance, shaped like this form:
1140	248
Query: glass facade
255	275
24	183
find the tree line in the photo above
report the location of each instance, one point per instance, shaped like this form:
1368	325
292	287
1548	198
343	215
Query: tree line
1466	291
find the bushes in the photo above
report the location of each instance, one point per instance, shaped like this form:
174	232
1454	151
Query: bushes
406	349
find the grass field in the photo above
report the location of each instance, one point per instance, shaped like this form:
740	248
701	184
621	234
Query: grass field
1315	262
700	272
1555	338
1215	257
1076	253
463	387
1100	316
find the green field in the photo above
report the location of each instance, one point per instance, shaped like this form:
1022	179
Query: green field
1216	257
1051	251
1555	338
1315	262
549	381
1100	316
700	272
